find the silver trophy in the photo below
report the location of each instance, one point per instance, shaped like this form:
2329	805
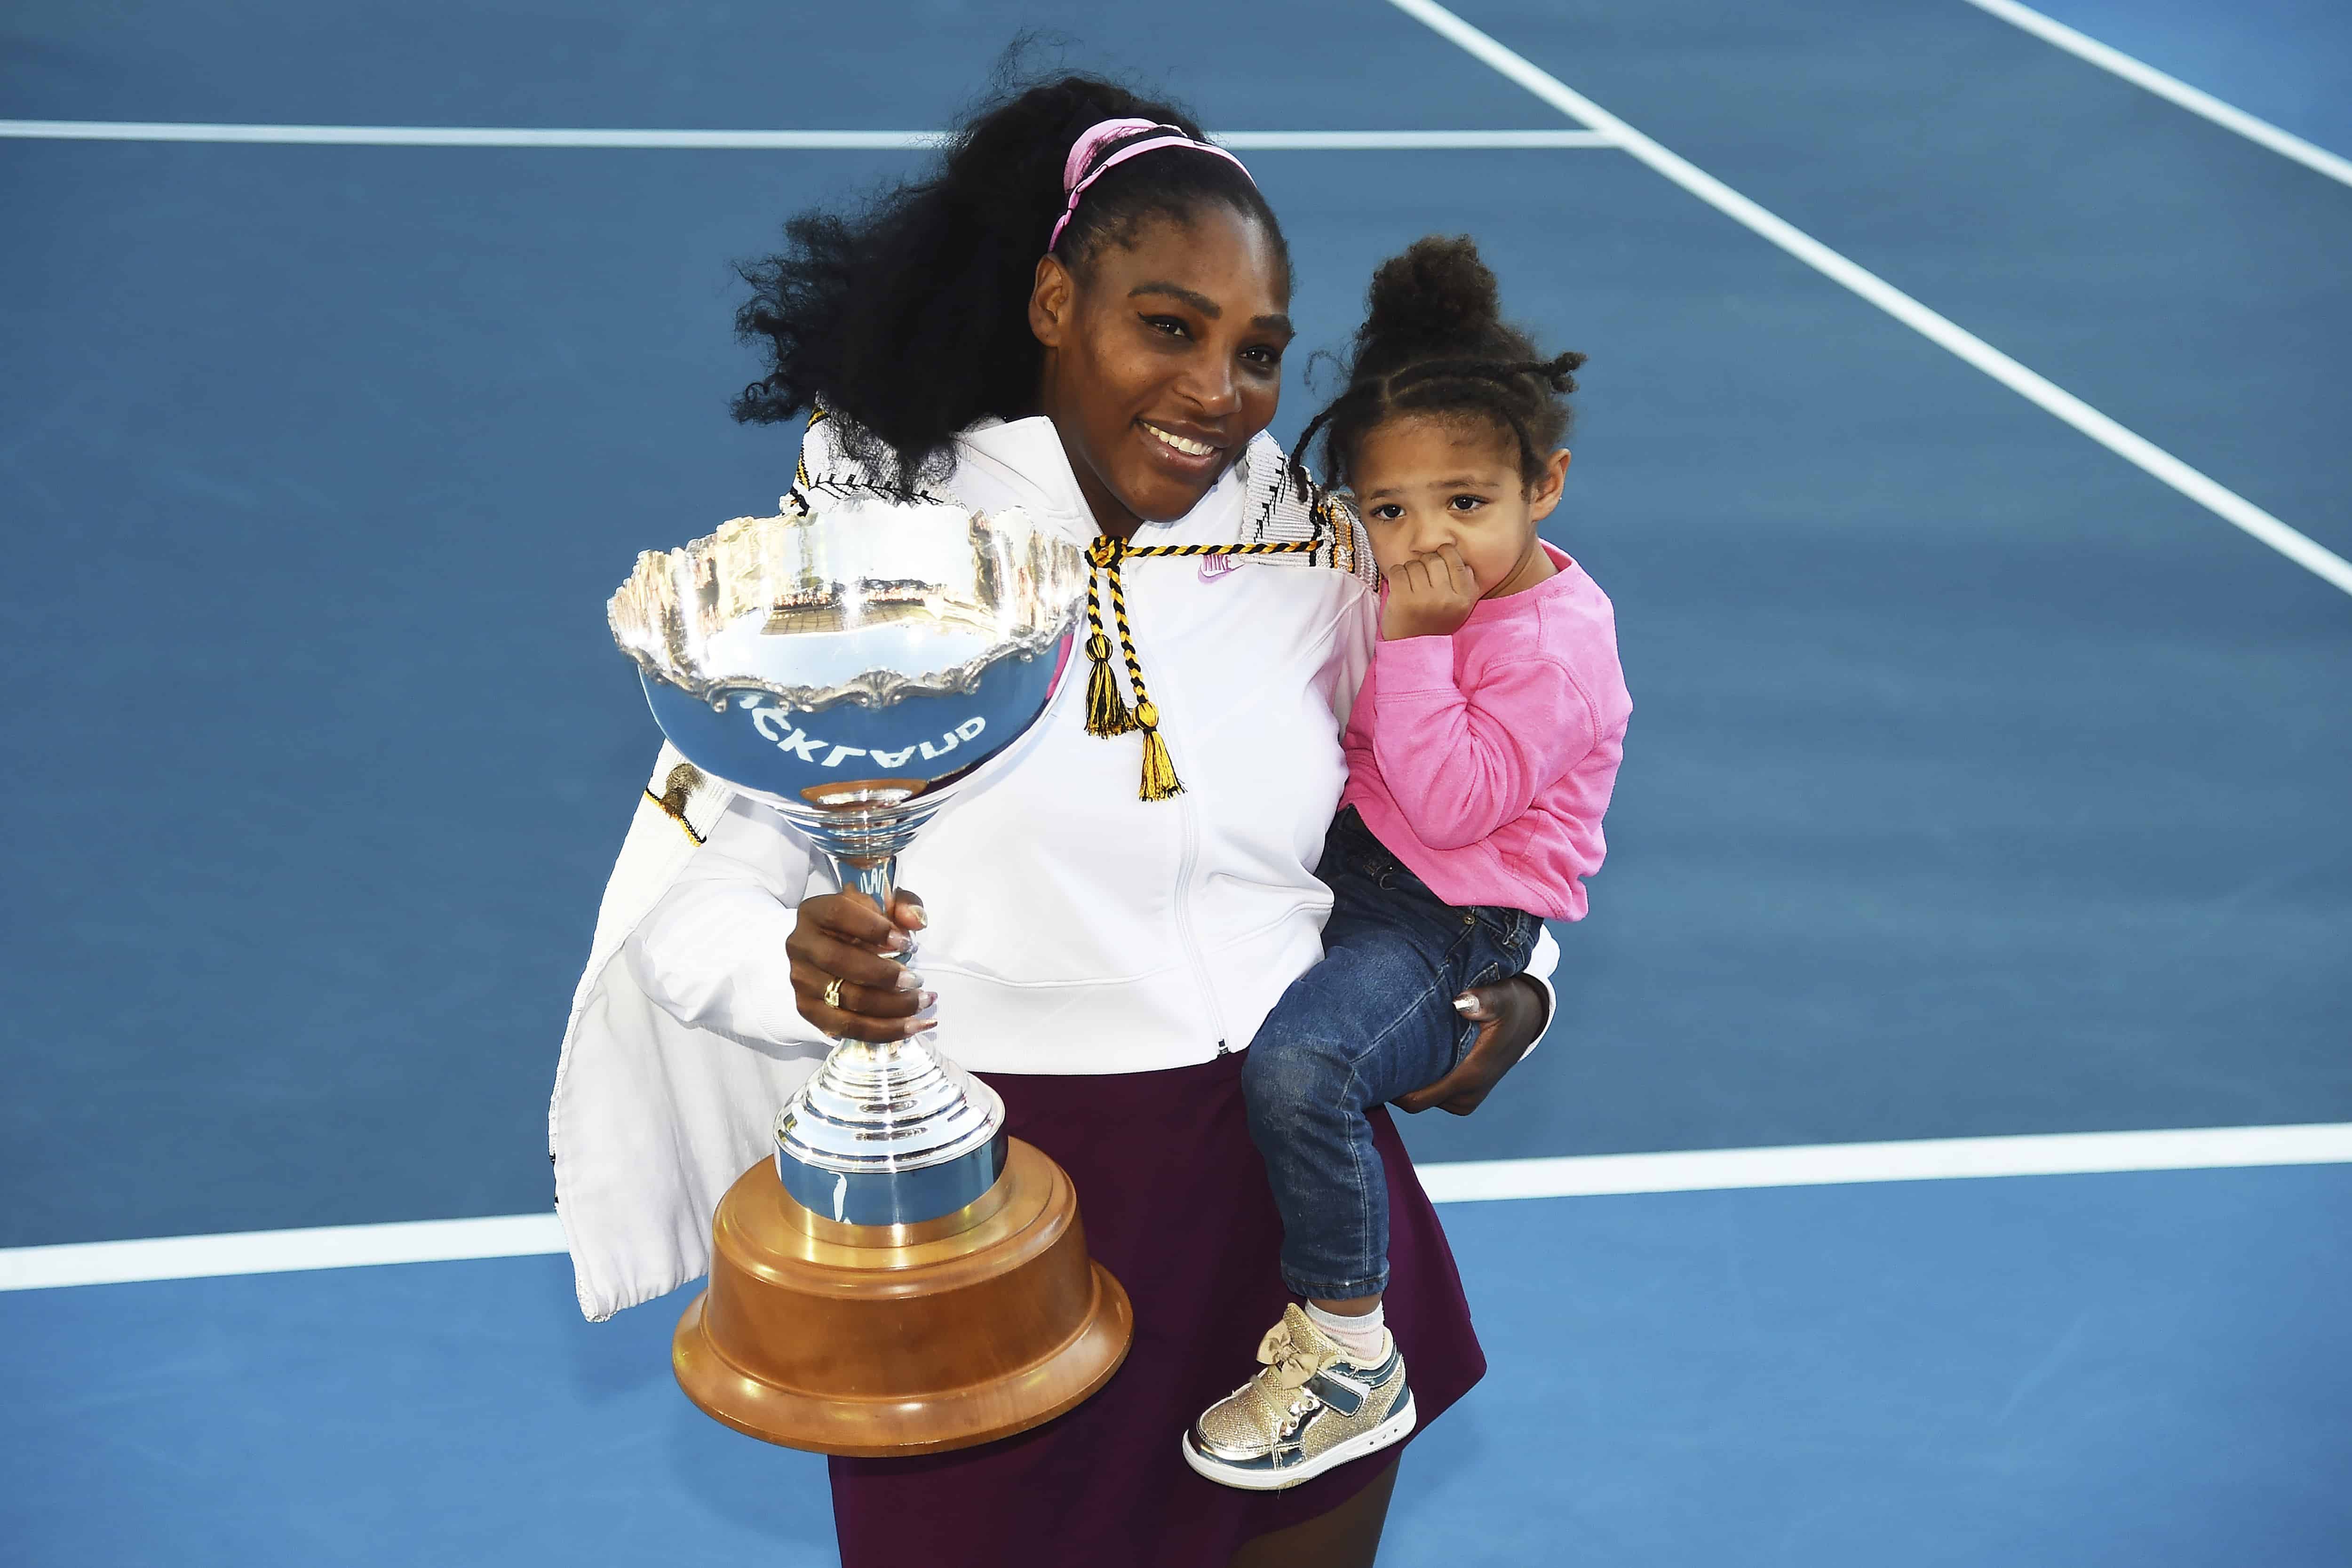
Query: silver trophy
854	663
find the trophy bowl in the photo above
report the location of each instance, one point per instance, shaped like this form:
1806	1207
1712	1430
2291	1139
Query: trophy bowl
900	1276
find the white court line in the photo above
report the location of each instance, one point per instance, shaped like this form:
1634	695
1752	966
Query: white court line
2144	454
1402	141
278	1251
763	141
1479	1181
1926	1160
458	136
2139	73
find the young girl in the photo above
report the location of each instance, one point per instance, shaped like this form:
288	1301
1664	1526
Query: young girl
1481	753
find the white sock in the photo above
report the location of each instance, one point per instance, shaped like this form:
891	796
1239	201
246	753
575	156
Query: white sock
1359	1336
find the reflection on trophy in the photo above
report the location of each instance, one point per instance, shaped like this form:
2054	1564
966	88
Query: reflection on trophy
902	1276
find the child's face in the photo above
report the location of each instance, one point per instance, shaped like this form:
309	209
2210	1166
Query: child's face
1430	480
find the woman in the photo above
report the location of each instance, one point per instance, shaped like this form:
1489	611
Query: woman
1086	318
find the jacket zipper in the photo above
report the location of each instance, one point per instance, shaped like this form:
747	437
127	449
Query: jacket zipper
1184	869
1187	865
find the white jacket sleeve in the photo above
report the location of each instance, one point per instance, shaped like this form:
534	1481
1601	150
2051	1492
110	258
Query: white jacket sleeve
652	1117
1542	959
1352	642
710	952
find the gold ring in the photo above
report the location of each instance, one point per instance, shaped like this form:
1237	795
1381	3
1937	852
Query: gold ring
832	993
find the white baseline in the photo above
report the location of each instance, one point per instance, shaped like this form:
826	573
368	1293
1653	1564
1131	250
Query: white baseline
2051	398
730	141
1919	1160
1481	1180
2140	74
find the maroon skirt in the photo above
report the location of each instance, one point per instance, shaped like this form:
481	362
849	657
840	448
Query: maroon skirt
1175	1203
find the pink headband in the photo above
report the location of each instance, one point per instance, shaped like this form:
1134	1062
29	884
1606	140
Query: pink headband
1075	177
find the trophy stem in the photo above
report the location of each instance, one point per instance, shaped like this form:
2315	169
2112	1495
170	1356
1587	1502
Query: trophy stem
888	1131
876	876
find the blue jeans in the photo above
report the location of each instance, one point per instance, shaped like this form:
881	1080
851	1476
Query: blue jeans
1374	1020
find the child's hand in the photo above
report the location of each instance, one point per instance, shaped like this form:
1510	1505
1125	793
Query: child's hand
1429	596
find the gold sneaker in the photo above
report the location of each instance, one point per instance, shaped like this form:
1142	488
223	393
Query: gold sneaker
1311	1409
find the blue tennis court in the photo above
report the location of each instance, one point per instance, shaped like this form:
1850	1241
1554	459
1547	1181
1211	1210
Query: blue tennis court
1990	792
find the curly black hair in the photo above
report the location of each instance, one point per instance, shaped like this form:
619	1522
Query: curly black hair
1435	342
910	319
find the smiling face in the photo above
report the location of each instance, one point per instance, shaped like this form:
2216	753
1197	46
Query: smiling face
1424	480
1162	358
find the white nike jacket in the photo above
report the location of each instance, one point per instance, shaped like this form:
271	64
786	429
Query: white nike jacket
1074	928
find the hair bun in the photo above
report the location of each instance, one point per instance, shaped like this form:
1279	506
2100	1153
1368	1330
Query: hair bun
1438	292
1435	342
1559	372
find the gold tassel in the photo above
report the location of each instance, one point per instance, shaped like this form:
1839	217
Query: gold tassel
1106	711
1159	780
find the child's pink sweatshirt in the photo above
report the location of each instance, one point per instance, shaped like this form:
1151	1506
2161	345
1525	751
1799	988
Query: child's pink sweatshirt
1483	759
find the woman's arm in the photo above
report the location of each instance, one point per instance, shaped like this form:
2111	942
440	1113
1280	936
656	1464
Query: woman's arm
711	952
1541	960
1355	634
1512	1017
746	941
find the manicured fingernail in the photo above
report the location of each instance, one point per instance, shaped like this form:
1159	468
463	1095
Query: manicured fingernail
930	1000
919	1026
1465	1004
920	916
909	981
897	943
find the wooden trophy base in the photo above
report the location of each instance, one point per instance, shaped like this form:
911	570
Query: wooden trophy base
874	1339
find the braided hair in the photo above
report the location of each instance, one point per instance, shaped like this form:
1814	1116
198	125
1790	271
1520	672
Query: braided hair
1433	342
910	319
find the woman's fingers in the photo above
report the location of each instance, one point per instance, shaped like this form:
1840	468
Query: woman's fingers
1509	1017
902	998
854	963
844	937
891	1009
852	917
849	1020
840	1024
906	909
